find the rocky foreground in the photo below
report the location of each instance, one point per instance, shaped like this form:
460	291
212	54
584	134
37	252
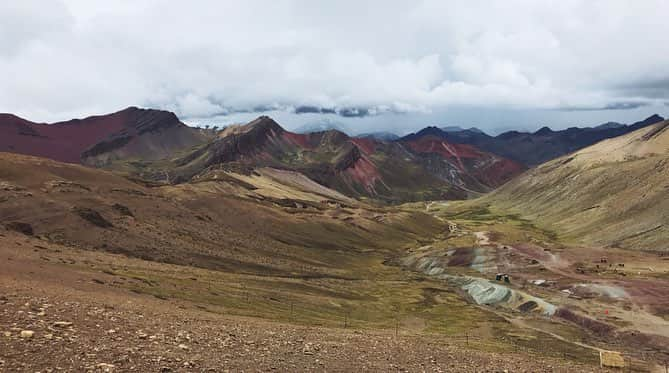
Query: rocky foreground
92	332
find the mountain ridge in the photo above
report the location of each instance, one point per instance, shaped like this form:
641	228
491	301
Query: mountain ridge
540	146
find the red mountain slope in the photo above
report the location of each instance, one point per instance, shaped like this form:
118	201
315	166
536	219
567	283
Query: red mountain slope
490	169
76	140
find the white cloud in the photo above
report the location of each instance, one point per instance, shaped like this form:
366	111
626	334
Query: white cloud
200	58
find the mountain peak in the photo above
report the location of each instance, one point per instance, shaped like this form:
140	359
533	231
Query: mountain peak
430	131
609	125
264	123
545	130
655	117
333	136
461	129
135	110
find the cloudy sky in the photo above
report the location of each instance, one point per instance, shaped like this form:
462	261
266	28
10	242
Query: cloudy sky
369	65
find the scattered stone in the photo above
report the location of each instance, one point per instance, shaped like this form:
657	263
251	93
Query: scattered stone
183	346
105	367
62	324
309	349
27	334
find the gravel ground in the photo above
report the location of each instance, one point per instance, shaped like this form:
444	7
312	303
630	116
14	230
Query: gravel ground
76	332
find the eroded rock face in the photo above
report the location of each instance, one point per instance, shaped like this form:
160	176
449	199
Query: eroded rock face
348	158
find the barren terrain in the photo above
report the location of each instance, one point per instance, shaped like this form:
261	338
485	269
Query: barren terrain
237	272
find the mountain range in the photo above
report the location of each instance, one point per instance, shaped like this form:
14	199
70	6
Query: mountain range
434	163
535	148
358	167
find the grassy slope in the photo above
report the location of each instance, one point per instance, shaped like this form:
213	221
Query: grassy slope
613	193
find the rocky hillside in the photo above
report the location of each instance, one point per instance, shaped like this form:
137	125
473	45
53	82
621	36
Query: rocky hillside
359	167
612	193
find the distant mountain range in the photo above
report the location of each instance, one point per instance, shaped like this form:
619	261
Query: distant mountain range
535	148
434	163
382	136
330	125
323	126
460	129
